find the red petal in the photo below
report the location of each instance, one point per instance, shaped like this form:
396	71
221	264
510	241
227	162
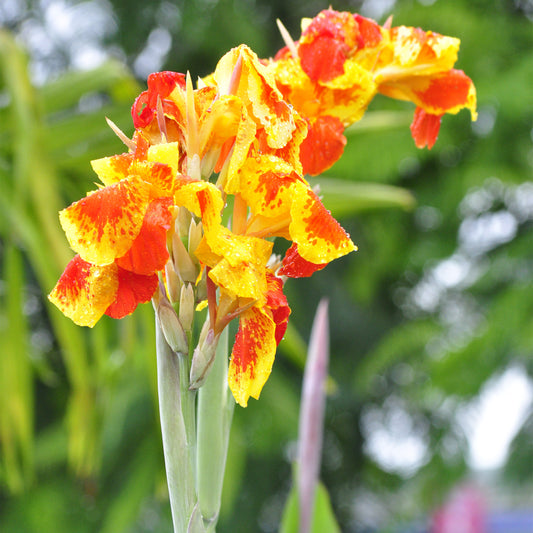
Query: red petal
323	59
323	145
295	266
133	289
277	303
149	253
425	128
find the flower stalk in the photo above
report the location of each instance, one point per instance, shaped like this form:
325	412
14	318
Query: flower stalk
177	445
215	413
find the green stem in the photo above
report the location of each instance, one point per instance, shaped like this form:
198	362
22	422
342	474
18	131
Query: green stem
215	412
176	445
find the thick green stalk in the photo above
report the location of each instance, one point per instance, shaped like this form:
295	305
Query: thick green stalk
176	445
215	412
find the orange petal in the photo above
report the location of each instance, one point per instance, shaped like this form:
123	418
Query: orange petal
323	145
425	128
253	355
447	93
85	291
266	185
370	33
257	86
148	252
133	289
326	43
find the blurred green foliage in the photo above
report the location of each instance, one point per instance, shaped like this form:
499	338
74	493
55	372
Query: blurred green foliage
437	302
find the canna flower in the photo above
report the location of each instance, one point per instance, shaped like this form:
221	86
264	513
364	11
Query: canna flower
233	142
119	234
342	61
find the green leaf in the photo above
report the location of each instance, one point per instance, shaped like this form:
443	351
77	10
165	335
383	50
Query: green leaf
323	517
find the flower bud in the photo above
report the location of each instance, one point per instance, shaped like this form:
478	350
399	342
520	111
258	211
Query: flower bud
195	236
173	282
171	326
203	357
183	219
187	306
183	263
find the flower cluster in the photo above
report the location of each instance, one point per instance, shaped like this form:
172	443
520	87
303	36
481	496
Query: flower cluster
343	60
187	217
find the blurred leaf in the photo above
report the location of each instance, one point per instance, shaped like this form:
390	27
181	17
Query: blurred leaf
323	517
346	198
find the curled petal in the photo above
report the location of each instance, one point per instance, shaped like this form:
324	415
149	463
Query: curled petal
295	266
257	86
277	303
370	33
160	84
320	238
445	92
133	289
448	93
85	291
253	355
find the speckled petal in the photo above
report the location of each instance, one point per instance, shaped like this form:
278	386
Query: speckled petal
85	291
253	355
319	237
103	225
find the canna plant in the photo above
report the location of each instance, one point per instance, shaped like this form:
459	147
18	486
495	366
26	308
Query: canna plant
188	216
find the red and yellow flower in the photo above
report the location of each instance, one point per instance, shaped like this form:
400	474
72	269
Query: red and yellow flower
243	141
343	60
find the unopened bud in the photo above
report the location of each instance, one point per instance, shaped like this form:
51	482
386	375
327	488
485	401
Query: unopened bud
173	282
171	327
203	357
183	219
195	236
201	287
187	306
183	263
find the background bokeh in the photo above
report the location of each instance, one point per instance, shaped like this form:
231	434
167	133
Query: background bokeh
431	320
